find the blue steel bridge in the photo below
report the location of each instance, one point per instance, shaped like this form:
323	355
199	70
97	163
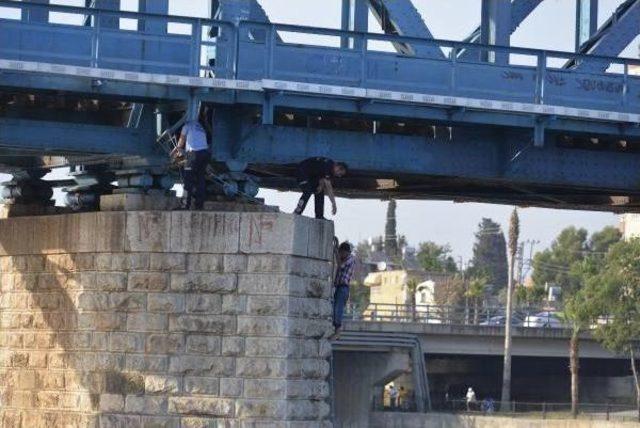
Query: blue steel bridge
103	90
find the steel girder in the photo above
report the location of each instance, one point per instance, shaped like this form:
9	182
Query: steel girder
140	92
153	26
586	21
495	29
355	17
61	138
487	155
235	11
35	13
240	10
611	39
520	10
108	21
401	17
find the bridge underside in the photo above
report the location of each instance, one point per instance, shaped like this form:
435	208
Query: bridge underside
426	158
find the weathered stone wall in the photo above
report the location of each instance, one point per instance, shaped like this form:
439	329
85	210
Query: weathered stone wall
167	319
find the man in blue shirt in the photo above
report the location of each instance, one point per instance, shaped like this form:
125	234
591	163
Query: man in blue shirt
346	266
193	141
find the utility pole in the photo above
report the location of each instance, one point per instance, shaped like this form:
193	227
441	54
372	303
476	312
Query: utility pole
520	263
527	260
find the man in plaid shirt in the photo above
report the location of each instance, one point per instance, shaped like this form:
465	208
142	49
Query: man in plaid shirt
346	266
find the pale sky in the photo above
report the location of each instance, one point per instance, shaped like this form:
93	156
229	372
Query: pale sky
551	26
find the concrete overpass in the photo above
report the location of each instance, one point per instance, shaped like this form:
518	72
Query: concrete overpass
456	356
486	340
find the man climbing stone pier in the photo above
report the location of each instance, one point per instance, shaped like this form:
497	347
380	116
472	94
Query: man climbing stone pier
314	178
346	264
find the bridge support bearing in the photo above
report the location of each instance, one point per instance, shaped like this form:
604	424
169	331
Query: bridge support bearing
141	189
26	194
94	184
147	318
233	185
91	183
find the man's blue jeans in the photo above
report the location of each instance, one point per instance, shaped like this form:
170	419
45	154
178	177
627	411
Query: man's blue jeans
340	298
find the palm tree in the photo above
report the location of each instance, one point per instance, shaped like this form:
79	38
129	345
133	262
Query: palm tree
412	288
514	232
475	293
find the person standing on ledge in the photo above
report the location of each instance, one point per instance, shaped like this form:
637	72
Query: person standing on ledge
314	178
346	265
193	143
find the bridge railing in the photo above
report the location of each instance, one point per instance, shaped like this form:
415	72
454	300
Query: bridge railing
116	39
135	41
489	316
366	60
540	410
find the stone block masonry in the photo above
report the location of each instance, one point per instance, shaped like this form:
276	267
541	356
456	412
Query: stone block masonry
164	319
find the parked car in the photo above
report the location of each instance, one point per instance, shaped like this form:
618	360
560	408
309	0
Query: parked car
544	319
502	320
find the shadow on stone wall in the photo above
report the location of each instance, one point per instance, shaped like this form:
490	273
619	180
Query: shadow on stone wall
163	319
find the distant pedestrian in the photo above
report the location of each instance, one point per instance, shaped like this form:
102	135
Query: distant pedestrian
471	399
488	405
403	399
346	264
393	397
314	178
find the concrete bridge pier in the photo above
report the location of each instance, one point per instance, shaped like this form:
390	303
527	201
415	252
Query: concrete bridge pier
164	319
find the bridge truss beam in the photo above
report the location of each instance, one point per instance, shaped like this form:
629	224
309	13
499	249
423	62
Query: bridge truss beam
519	11
610	39
355	17
586	21
402	18
495	28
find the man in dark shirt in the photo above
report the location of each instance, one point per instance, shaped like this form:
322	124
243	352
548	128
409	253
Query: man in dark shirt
314	178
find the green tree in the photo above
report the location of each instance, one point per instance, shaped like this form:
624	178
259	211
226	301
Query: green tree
363	250
359	296
530	296
436	258
553	265
450	292
390	232
570	262
475	293
489	254
601	241
614	295
412	288
579	314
